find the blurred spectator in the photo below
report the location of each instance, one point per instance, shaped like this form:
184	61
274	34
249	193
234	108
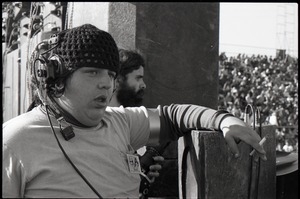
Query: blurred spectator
273	119
287	146
269	83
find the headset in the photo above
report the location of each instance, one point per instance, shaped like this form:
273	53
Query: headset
46	69
50	67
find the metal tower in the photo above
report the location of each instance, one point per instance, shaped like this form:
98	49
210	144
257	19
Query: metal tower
286	27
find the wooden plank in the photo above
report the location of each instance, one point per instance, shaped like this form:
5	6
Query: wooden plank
225	176
220	174
267	173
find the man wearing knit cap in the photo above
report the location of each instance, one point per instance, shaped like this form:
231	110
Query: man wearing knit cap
73	145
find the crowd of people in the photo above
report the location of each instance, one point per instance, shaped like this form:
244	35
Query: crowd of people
270	84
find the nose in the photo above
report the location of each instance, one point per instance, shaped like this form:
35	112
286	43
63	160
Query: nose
143	85
105	81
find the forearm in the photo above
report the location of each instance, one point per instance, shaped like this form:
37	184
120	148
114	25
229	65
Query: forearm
176	120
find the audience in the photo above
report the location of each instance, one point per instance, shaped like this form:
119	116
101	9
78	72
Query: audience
269	83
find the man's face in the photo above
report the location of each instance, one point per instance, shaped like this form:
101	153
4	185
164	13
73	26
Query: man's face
131	90
87	94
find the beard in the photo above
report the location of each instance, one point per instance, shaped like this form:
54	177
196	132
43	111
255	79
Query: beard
128	97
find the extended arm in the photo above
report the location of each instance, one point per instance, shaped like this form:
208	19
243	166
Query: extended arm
176	120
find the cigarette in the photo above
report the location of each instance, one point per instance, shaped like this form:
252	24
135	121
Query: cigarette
260	143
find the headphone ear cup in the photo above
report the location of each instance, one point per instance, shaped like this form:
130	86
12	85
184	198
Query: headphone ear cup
55	67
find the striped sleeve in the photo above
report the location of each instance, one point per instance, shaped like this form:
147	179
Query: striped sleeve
176	119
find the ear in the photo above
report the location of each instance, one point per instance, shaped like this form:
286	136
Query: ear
117	82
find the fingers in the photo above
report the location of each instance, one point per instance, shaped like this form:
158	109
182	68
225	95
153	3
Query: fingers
153	174
261	154
233	146
158	159
236	132
155	167
253	139
259	148
154	171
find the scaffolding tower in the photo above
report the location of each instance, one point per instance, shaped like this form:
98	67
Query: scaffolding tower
286	28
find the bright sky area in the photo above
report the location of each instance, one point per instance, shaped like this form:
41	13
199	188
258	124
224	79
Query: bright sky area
258	28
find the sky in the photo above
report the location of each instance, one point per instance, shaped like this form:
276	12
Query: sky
258	28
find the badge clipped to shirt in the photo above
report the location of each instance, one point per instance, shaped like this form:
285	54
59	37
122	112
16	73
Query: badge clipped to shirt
134	163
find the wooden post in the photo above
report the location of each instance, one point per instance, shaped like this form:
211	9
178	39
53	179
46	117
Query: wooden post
208	169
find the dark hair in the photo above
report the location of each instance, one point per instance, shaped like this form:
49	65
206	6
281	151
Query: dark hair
130	60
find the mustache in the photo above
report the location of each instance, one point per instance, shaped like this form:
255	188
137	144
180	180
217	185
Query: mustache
140	92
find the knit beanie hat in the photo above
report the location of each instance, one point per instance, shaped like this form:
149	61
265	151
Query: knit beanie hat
87	46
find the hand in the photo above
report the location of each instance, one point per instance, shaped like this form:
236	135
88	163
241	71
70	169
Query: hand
155	168
235	130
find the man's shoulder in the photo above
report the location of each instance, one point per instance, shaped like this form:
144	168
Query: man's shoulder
24	117
23	123
122	113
